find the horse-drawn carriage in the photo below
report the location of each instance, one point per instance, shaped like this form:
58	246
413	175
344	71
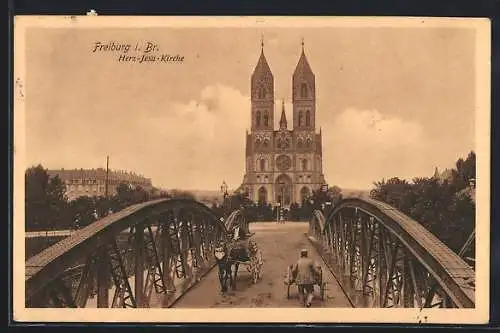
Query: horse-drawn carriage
236	248
320	283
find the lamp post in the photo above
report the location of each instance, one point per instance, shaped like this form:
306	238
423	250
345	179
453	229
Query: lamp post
282	201
223	189
278	213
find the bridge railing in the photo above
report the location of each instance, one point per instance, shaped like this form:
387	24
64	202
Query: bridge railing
383	258
168	247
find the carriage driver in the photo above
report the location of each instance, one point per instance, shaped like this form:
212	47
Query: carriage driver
304	274
241	238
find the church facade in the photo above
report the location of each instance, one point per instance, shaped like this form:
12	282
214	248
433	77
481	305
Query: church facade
284	165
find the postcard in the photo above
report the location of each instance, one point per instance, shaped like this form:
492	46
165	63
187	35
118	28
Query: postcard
251	169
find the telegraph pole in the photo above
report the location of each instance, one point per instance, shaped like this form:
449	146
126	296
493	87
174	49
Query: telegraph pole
107	172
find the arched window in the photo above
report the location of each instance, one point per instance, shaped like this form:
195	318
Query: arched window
265	143
300	143
308	118
304	164
301	118
303	90
257	143
304	193
262	93
262	164
266	119
308	143
257	118
262	195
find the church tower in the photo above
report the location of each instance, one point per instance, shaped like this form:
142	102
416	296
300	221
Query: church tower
284	165
262	90
303	95
308	148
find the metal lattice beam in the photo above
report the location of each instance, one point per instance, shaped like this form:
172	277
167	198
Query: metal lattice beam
388	260
167	241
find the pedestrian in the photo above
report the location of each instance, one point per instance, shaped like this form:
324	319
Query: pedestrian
304	274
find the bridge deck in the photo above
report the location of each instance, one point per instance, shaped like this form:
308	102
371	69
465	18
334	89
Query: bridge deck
280	244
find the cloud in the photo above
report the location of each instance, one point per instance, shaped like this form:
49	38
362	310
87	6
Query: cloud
203	140
179	145
363	146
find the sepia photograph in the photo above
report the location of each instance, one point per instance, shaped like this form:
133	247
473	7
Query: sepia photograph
251	169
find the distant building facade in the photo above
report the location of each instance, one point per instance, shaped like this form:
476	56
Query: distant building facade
92	182
285	165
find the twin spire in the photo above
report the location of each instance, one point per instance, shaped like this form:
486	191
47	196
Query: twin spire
262	75
301	68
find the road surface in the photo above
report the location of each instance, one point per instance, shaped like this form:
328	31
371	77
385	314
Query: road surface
280	245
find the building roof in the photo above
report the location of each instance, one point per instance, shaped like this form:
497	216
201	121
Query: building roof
262	67
303	69
99	174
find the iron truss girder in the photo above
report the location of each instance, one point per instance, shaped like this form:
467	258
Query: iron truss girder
377	263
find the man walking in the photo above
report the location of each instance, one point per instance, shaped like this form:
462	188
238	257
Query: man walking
304	275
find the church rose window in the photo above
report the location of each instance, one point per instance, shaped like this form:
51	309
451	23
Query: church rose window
283	162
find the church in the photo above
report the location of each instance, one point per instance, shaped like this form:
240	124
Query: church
284	165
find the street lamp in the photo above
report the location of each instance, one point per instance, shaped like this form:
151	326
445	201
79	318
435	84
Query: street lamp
223	189
282	201
277	212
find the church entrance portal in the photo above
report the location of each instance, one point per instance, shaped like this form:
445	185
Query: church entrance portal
283	190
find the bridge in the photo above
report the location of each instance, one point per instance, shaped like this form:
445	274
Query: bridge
161	254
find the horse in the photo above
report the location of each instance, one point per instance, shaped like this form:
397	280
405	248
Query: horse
228	258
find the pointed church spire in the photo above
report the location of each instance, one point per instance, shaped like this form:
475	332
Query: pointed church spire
303	68
262	66
283	122
303	81
262	81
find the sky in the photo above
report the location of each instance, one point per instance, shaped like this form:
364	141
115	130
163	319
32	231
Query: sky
390	101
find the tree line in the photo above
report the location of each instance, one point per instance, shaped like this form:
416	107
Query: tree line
443	205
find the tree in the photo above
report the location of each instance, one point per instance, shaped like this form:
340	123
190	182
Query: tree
45	202
103	205
446	208
334	194
82	212
464	172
